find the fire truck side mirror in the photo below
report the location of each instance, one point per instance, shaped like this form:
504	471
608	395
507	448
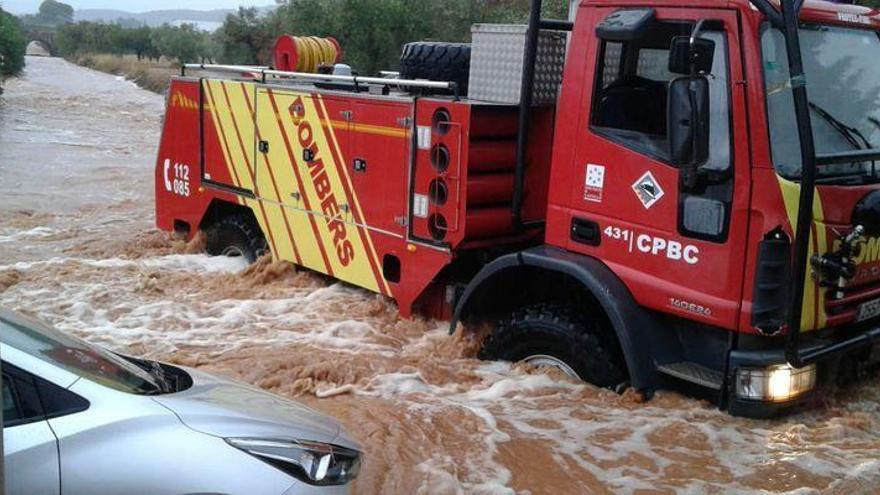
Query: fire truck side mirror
688	124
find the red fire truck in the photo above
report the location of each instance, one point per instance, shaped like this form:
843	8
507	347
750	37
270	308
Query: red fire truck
686	196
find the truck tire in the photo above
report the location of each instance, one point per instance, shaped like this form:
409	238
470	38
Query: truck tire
437	62
236	235
557	336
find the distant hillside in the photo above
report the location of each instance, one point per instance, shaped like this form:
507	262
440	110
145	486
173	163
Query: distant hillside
206	19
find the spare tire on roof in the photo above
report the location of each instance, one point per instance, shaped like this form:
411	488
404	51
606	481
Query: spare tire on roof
449	62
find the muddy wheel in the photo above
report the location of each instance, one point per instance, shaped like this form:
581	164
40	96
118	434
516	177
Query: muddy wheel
236	235
437	62
559	337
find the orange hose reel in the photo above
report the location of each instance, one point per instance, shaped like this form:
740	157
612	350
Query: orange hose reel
306	53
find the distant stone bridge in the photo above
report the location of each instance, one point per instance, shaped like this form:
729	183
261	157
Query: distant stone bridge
45	38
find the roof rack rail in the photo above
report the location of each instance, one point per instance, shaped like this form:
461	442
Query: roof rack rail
267	71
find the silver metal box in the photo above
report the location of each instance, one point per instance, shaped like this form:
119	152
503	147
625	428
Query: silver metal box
497	52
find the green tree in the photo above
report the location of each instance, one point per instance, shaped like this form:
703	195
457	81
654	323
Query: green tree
12	45
212	49
84	37
140	44
95	37
55	13
245	38
186	43
50	14
118	39
70	39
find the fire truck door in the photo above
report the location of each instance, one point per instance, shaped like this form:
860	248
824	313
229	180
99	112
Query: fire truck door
377	164
295	174
679	249
227	135
302	141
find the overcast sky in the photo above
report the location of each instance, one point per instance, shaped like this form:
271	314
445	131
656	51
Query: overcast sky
30	6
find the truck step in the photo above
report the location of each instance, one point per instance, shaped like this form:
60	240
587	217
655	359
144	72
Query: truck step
694	373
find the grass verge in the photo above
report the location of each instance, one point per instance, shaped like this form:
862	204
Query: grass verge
150	75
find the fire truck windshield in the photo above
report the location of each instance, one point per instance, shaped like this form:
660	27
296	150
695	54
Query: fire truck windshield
843	84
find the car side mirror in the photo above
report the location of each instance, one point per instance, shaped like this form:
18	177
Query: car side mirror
688	124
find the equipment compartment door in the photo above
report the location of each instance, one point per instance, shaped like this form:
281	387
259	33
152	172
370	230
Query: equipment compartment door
377	165
228	134
302	139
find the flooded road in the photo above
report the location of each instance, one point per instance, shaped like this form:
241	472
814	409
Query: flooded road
78	249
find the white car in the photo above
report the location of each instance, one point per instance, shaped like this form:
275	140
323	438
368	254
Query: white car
78	419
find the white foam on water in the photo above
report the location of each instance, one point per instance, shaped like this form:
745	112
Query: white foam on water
195	263
499	384
738	446
22	235
128	82
198	263
190	321
437	477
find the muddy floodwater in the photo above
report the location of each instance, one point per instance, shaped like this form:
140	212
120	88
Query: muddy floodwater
78	248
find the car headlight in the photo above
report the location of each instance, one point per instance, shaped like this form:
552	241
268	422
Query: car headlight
776	383
312	462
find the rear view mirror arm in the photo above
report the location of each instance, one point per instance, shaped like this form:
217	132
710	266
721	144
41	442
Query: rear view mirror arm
696	32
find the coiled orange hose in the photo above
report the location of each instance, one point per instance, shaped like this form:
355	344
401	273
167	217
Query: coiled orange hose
306	53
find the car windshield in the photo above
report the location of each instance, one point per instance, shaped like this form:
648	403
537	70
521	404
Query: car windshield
843	84
74	355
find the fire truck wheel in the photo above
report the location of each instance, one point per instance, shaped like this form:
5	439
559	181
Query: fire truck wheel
556	336
236	235
437	62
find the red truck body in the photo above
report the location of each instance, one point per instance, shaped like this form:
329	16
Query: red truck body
409	196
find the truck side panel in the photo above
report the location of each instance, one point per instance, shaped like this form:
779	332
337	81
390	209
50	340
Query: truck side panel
181	199
314	208
329	179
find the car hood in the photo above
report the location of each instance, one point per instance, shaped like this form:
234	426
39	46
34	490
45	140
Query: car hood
227	409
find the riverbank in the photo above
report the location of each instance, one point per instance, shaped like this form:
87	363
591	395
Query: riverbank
150	75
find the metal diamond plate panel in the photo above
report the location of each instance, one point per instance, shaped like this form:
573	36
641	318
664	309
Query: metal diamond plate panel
497	64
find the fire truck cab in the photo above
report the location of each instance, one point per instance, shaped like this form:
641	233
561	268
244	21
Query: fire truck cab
696	207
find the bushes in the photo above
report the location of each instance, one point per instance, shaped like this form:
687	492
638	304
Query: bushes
182	43
12	45
185	44
148	75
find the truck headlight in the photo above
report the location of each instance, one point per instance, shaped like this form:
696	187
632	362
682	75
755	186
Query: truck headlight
314	463
776	383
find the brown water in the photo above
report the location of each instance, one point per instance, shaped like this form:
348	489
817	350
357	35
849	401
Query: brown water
78	249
